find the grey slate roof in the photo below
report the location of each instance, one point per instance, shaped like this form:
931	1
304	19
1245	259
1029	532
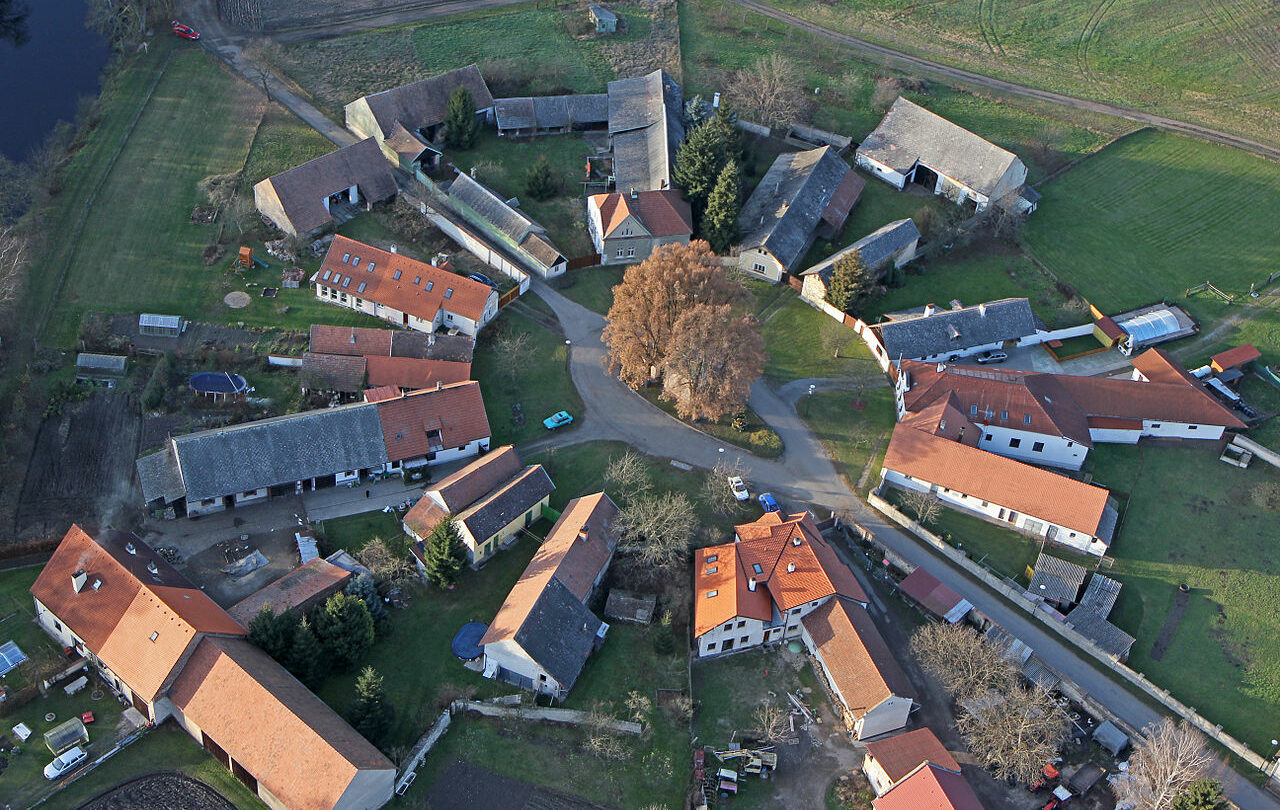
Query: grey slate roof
159	476
508	502
551	112
874	248
783	212
602	12
1107	636
909	133
302	189
1110	737
559	633
957	329
646	120
1061	579
423	103
1100	596
241	458
518	230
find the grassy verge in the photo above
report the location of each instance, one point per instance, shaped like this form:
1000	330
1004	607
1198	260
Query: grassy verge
792	335
541	385
853	438
754	436
591	287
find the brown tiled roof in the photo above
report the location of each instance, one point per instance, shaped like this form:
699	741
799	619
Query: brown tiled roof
413	373
297	748
1110	328
1152	401
423	103
787	573
1157	365
381	393
1234	357
925	588
462	488
986	476
662	213
564	555
303	189
332	372
857	658
117	619
299	589
944	418
842	202
930	788
357	341
901	754
436	287
457	411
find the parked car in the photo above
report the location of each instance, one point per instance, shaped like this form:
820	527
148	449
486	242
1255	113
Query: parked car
557	420
769	503
185	31
483	279
739	487
992	357
65	762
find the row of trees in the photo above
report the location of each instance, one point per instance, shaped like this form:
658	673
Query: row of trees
707	168
336	635
679	318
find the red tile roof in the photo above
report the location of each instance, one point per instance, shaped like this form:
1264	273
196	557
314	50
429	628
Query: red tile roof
986	476
790	561
1157	365
944	418
1110	328
462	488
1151	401
901	754
1235	357
382	393
925	588
662	213
299	589
843	200
358	341
856	656
437	287
456	411
413	373
930	788
565	555
138	623
297	748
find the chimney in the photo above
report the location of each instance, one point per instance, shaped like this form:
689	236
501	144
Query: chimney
130	548
751	584
584	534
78	579
634	193
473	172
795	541
791	568
982	310
393	248
929	309
97	583
153	568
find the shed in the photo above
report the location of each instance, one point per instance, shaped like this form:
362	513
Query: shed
1085	777
629	606
66	735
1111	738
293	277
160	325
1056	580
100	368
1235	358
604	18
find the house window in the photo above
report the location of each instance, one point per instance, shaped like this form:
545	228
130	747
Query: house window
1026	419
1192	427
1038	447
1155	424
631	252
729	626
987	437
744	639
711	647
1004	416
542	677
973	410
712	594
713	558
1071	444
619	253
741	625
759	268
359	302
57	626
990	413
711	570
984	503
1015	443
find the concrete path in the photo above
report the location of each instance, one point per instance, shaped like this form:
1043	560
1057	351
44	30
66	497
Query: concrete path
806	475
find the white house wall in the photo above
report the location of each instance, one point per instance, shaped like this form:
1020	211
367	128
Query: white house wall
511	657
888	175
1057	451
760	263
1181	430
485	252
745	634
890	715
1114	436
1027	524
876	776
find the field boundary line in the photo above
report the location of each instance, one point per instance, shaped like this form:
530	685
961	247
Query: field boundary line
76	232
1077	161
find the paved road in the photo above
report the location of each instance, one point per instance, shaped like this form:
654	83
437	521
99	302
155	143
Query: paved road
805	474
969	77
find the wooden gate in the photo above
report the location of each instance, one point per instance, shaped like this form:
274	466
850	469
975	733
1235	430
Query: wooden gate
508	296
590	260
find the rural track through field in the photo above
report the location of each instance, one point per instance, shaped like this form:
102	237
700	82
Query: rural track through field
1270	151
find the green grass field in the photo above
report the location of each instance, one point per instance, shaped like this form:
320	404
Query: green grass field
592	287
717	38
855	439
1154	214
1212	63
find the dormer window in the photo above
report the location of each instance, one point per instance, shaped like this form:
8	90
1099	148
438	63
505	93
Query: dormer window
346	257
396	276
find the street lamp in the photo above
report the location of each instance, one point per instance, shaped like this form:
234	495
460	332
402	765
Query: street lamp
808	399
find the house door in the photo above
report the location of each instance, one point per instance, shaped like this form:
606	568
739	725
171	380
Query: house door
1013	516
404	319
1052	532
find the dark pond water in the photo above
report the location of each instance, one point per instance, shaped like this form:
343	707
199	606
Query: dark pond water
42	79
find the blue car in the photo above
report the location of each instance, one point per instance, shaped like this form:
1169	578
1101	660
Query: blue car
769	503
557	420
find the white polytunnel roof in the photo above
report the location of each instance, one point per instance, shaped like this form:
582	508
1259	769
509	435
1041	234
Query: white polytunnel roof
1151	326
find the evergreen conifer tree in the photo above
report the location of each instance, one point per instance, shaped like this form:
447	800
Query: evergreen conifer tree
371	715
460	125
720	222
540	183
344	629
443	554
851	283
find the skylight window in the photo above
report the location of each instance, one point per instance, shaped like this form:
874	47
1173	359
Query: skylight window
430	284
712	594
756	567
355	261
713	558
395	276
370	267
711	570
363	284
346	257
326	275
448	293
346	281
417	279
154	635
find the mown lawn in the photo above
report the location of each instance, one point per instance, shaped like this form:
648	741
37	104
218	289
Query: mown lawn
854	438
1207	531
755	436
541	385
591	287
1183	58
793	341
1156	213
718	37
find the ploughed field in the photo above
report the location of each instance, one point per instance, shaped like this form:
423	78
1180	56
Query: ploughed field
168	790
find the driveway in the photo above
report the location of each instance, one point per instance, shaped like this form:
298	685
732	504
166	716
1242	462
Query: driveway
805	475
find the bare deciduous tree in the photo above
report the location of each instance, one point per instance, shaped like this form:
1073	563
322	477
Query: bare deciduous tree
834	337
716	492
1015	732
384	563
14	249
628	474
963	662
923	504
509	348
771	722
770	91
657	528
1166	760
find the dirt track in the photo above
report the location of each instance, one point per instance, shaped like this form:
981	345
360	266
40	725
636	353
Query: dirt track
968	77
171	791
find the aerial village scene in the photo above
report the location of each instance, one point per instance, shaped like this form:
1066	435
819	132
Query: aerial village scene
640	405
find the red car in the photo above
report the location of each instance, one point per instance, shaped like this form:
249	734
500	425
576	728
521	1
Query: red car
185	31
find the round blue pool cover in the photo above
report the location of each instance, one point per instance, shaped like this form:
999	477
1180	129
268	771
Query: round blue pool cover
466	644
